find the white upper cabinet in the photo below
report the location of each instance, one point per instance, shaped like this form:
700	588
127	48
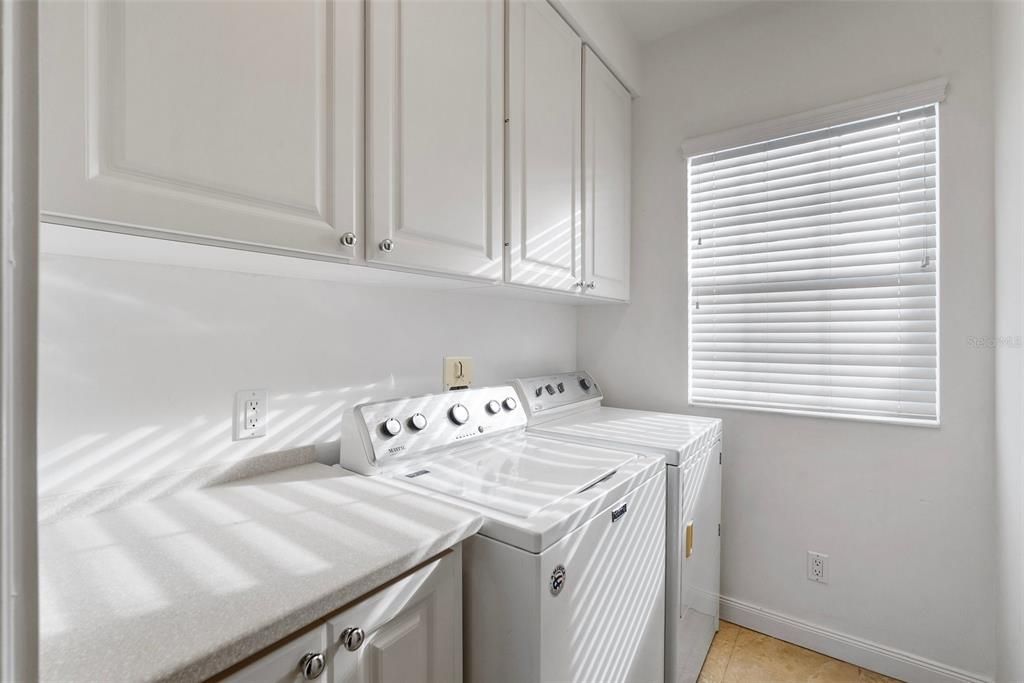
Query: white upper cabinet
435	120
544	108
370	131
224	122
606	181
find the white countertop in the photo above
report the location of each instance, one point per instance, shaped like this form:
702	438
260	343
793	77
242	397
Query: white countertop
185	586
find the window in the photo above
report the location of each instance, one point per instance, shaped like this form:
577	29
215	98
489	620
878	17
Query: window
813	270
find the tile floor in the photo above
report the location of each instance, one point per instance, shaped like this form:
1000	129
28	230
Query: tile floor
739	655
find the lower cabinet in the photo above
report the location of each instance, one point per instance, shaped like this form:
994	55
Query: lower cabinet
408	632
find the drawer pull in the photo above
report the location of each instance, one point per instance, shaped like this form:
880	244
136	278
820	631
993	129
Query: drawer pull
312	665
352	638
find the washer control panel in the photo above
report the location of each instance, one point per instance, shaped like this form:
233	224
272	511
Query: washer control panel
548	392
407	426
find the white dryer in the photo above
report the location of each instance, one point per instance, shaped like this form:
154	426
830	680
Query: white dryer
565	580
568	407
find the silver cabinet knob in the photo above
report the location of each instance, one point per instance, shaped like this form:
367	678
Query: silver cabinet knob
349	239
352	638
580	285
459	414
493	407
510	403
392	427
591	285
387	246
312	665
418	421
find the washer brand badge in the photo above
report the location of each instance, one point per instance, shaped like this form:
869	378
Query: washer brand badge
618	513
395	449
418	473
557	580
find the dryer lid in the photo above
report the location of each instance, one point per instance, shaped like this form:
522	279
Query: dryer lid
671	435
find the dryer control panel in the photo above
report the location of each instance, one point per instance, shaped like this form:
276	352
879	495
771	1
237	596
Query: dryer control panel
550	392
407	426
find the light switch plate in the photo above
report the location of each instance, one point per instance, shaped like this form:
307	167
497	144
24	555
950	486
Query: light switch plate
458	372
251	412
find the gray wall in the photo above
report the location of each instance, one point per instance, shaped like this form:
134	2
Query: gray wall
139	363
904	512
1009	129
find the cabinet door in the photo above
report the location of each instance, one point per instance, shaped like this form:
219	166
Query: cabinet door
410	632
224	122
606	180
435	135
285	663
544	93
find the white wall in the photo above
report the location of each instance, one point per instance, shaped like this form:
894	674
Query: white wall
1009	120
905	513
139	363
598	24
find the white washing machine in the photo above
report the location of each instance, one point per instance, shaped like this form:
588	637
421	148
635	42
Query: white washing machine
565	580
568	407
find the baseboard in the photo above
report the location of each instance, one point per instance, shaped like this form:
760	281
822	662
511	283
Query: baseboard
870	655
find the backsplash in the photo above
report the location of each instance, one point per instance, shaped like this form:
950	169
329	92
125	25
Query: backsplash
139	365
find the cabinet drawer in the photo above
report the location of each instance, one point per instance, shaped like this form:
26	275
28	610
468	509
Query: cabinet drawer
284	664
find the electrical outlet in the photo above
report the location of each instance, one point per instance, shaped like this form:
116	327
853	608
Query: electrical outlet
817	567
458	372
250	414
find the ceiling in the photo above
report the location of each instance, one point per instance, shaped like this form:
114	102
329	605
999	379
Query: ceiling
649	20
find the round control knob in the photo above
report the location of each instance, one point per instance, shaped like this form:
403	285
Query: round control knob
392	427
493	407
459	414
510	403
418	421
585	383
312	665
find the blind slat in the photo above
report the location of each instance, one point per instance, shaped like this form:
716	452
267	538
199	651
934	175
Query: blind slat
861	371
813	271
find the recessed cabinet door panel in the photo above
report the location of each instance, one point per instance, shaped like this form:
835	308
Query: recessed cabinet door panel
216	121
606	172
545	89
435	135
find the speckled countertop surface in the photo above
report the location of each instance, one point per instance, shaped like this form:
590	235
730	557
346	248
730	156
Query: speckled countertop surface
185	586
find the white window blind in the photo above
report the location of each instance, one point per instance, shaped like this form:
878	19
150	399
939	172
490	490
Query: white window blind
813	271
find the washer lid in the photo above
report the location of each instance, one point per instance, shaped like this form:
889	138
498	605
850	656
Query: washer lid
518	476
671	435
